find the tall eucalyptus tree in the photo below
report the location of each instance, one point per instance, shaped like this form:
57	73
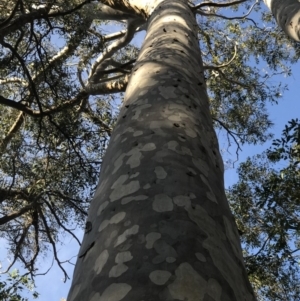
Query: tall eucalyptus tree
159	226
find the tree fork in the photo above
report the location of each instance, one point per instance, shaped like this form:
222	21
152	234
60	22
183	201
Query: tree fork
161	227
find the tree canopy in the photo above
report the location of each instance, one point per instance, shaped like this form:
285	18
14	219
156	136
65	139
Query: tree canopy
63	68
266	203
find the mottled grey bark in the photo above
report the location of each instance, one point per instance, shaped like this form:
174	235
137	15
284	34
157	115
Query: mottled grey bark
159	226
287	15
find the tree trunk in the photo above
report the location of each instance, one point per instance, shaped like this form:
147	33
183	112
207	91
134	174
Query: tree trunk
159	226
287	15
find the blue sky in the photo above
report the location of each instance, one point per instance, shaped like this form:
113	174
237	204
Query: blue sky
52	288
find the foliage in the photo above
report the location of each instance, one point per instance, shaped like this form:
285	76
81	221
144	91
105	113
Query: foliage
14	285
266	204
62	77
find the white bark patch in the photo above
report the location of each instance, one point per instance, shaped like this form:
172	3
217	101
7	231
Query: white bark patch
211	197
149	147
102	207
191	133
114	220
135	158
75	292
128	232
160	277
201	165
164	250
100	188
174	146
103	225
151	238
137	133
115	292
147	186
136	154
118	163
134	198
117	137
186	151
162	203
170	259
157	126
124	190
192	196
174	118
111	237
182	201
123	257
134	175
167	92
139	110
120	181
117	270
95	297
188	285
214	289
160	172
200	257
101	261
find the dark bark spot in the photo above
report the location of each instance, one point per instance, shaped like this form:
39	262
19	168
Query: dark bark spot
214	152
124	116
178	79
174	30
176	124
200	84
135	143
189	173
182	137
127	106
113	209
150	45
186	96
165	30
175	85
190	107
195	106
181	51
175	40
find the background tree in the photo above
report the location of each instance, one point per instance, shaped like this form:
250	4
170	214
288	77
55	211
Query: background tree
11	289
266	205
287	15
59	71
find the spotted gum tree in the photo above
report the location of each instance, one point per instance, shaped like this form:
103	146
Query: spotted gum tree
159	226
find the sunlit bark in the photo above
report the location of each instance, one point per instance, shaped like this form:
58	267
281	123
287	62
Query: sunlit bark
159	227
287	15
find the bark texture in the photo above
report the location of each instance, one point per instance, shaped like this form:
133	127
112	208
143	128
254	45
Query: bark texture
287	15
160	227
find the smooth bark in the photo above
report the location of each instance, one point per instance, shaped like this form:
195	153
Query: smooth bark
159	226
287	15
